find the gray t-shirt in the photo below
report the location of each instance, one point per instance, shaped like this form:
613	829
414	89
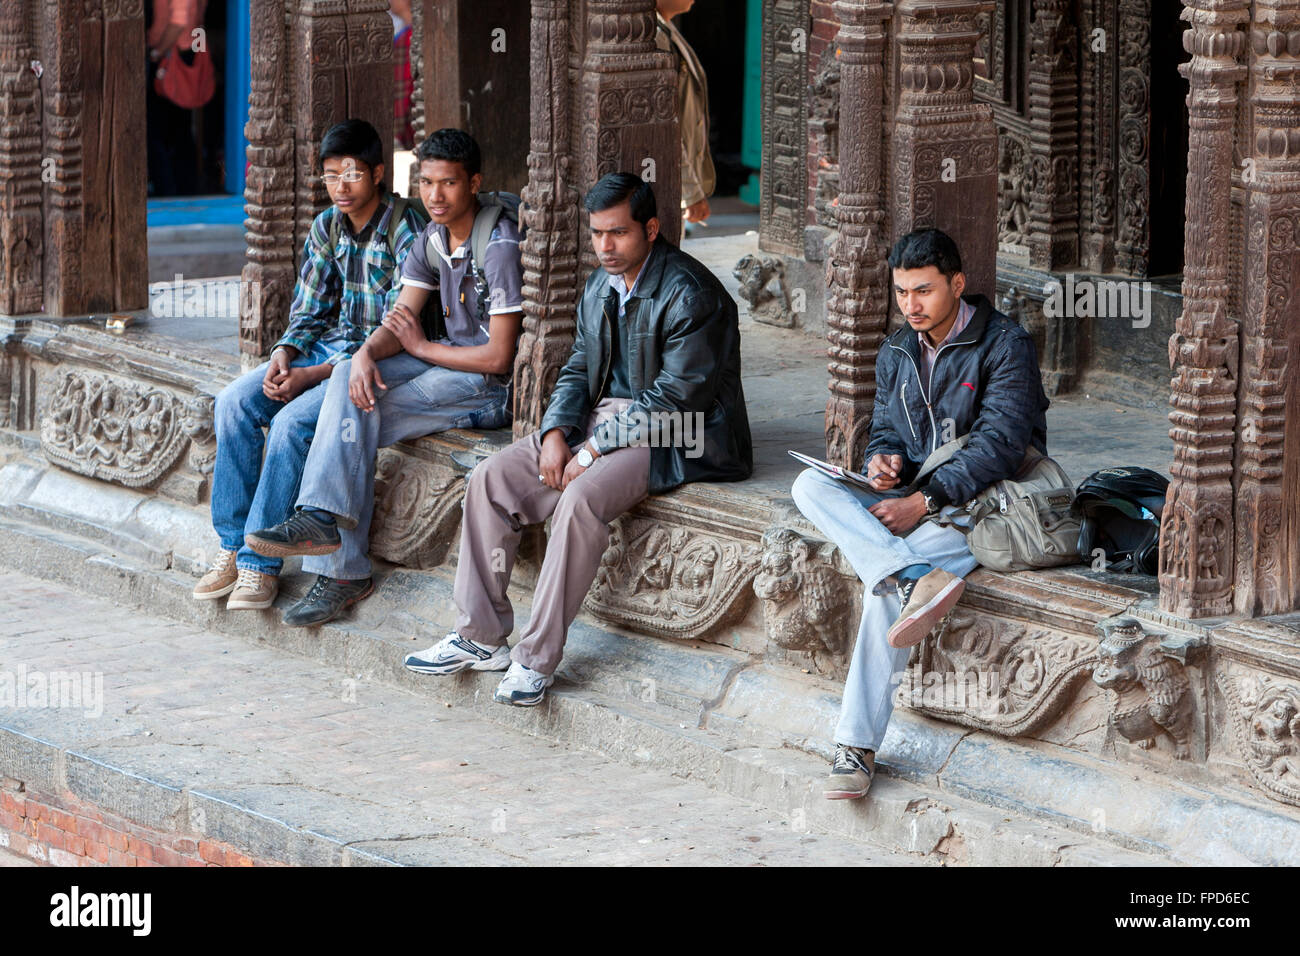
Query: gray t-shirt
452	276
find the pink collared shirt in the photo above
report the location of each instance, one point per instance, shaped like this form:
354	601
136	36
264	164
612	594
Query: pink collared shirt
928	352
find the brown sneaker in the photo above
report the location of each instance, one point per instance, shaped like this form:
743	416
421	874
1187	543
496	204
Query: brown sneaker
254	592
851	773
220	579
926	601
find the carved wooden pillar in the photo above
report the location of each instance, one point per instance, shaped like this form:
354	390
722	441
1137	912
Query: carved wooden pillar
550	250
1097	108
945	145
62	169
1133	138
1053	137
628	107
857	280
783	187
419	57
1268	460
268	276
114	165
20	165
1196	535
341	65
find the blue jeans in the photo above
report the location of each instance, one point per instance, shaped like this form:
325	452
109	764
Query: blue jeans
340	472
840	512
247	493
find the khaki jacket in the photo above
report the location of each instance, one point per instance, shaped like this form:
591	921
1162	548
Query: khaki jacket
698	177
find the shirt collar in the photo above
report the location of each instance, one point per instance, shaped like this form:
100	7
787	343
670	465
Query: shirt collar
372	225
620	286
964	314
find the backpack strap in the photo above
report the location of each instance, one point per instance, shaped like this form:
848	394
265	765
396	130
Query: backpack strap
485	220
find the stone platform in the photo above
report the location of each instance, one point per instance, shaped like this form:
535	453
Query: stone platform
1066	698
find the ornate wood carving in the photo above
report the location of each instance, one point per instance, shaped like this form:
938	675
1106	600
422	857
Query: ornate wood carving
62	170
268	276
628	106
1196	535
1053	137
945	146
824	125
113	429
857	288
1267	555
551	204
783	188
663	578
1097	117
20	165
1133	143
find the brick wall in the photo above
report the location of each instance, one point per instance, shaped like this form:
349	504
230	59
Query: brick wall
61	830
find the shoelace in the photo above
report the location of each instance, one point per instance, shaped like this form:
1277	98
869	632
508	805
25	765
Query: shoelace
301	521
846	759
905	589
224	560
250	578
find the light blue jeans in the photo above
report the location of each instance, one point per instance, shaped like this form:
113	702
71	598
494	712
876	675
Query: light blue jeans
340	473
840	512
247	493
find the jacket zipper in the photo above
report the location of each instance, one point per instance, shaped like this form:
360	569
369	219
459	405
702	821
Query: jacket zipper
934	428
903	397
604	320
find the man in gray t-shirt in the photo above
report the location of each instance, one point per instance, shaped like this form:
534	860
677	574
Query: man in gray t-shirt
401	385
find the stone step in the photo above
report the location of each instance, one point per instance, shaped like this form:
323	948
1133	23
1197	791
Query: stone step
703	714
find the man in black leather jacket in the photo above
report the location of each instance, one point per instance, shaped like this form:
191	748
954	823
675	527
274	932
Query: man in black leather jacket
650	398
958	367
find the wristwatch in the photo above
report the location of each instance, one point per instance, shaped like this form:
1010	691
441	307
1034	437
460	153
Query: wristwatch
585	457
931	507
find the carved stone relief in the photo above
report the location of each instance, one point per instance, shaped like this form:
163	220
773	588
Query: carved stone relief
672	581
1264	712
107	428
807	594
756	274
417	510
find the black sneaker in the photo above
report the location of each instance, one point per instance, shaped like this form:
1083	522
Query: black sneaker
303	533
326	600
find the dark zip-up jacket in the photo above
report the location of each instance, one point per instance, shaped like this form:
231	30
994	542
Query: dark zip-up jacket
683	357
985	382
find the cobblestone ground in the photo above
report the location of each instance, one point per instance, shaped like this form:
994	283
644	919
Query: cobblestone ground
304	742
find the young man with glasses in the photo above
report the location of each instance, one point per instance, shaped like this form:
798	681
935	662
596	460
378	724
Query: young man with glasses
401	385
344	289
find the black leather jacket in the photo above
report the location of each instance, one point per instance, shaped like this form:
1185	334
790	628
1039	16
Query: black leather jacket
683	357
985	381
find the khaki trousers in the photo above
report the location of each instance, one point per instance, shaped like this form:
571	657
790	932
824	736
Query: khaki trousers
502	496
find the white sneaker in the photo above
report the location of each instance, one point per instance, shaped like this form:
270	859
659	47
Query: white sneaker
522	686
455	653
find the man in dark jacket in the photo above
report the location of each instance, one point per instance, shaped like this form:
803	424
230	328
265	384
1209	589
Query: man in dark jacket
958	367
650	398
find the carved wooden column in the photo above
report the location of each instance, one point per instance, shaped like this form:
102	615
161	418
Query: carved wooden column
115	164
20	165
783	187
1053	137
945	145
341	66
418	57
62	169
628	107
1268	485
268	276
550	250
1196	535
857	279
1133	138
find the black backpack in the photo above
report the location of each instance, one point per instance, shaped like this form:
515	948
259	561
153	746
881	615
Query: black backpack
492	206
1120	510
